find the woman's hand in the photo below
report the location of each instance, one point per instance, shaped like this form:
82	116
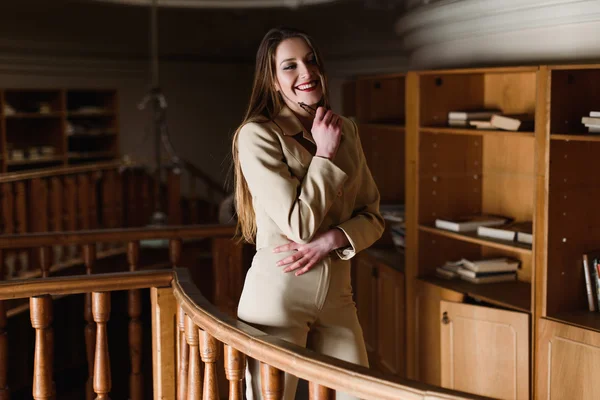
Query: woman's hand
308	255
327	132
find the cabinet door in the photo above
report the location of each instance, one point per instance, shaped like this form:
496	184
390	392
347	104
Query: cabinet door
485	350
391	352
365	289
568	362
380	99
427	311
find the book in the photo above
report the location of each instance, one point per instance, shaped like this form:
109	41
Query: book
463	272
491	279
591	264
470	223
458	122
497	264
509	232
472	114
479	124
511	122
589	284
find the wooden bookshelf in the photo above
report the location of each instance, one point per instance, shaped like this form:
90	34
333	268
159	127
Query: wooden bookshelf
34	126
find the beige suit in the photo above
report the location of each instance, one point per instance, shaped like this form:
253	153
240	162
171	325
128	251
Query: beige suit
295	196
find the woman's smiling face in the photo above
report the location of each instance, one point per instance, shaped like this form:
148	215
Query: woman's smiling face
298	77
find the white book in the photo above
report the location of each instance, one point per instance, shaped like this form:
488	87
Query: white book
595	114
589	285
499	264
469	223
474	114
491	279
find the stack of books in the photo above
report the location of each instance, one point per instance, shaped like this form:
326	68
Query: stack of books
470	223
521	232
491	119
490	270
592	122
464	118
591	272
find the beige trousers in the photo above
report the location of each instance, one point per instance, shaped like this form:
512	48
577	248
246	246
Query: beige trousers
314	310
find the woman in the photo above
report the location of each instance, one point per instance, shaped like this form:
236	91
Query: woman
305	197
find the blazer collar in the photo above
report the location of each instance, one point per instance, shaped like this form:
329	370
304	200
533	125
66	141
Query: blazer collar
290	125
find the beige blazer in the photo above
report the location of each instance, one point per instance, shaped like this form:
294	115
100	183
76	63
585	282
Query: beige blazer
296	195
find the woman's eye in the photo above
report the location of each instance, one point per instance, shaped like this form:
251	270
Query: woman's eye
312	61
289	66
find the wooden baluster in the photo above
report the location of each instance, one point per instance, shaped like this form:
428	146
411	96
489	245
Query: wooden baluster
133	209
272	381
318	392
94	178
8	213
194	390
135	327
56	219
41	317
209	351
38	212
101	312
235	366
21	219
183	358
83	197
147	199
4	392
174	196
109	200
71	210
175	246
89	258
119	213
45	260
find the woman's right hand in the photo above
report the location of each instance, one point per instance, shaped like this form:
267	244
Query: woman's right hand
327	132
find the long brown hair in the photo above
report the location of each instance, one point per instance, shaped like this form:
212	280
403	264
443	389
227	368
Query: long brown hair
265	104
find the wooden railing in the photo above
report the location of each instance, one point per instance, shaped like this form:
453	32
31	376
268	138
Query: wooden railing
188	332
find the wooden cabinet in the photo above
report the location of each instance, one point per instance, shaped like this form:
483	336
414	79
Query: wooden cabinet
568	362
484	350
42	128
379	295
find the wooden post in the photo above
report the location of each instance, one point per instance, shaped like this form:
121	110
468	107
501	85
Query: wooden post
272	382
4	391
164	308
318	392
209	352
228	272
45	260
135	328
174	196
102	378
194	376
175	246
41	317
183	359
56	219
89	258
71	210
235	366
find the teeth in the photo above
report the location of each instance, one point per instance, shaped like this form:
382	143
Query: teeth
307	86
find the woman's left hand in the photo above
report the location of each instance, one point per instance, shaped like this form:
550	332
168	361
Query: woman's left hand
309	254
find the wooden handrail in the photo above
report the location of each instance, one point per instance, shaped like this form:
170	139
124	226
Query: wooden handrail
305	364
65	285
70	170
115	235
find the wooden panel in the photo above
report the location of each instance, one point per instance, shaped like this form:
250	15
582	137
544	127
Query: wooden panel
448	92
513	93
568	362
83	200
366	301
573	222
449	176
349	99
390	321
384	151
380	99
484	350
427	312
508	176
574	94
164	309
8	208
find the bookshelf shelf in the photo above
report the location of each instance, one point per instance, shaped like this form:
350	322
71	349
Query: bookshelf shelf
513	247
514	295
477	132
576	137
34	115
581	319
41	160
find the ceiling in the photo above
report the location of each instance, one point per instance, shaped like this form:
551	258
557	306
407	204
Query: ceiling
100	28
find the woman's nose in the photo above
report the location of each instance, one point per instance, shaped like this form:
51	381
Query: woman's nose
304	71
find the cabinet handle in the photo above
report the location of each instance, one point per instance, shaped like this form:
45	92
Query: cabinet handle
445	319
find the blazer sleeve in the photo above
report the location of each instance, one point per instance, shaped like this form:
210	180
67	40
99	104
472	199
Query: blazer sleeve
297	207
366	225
